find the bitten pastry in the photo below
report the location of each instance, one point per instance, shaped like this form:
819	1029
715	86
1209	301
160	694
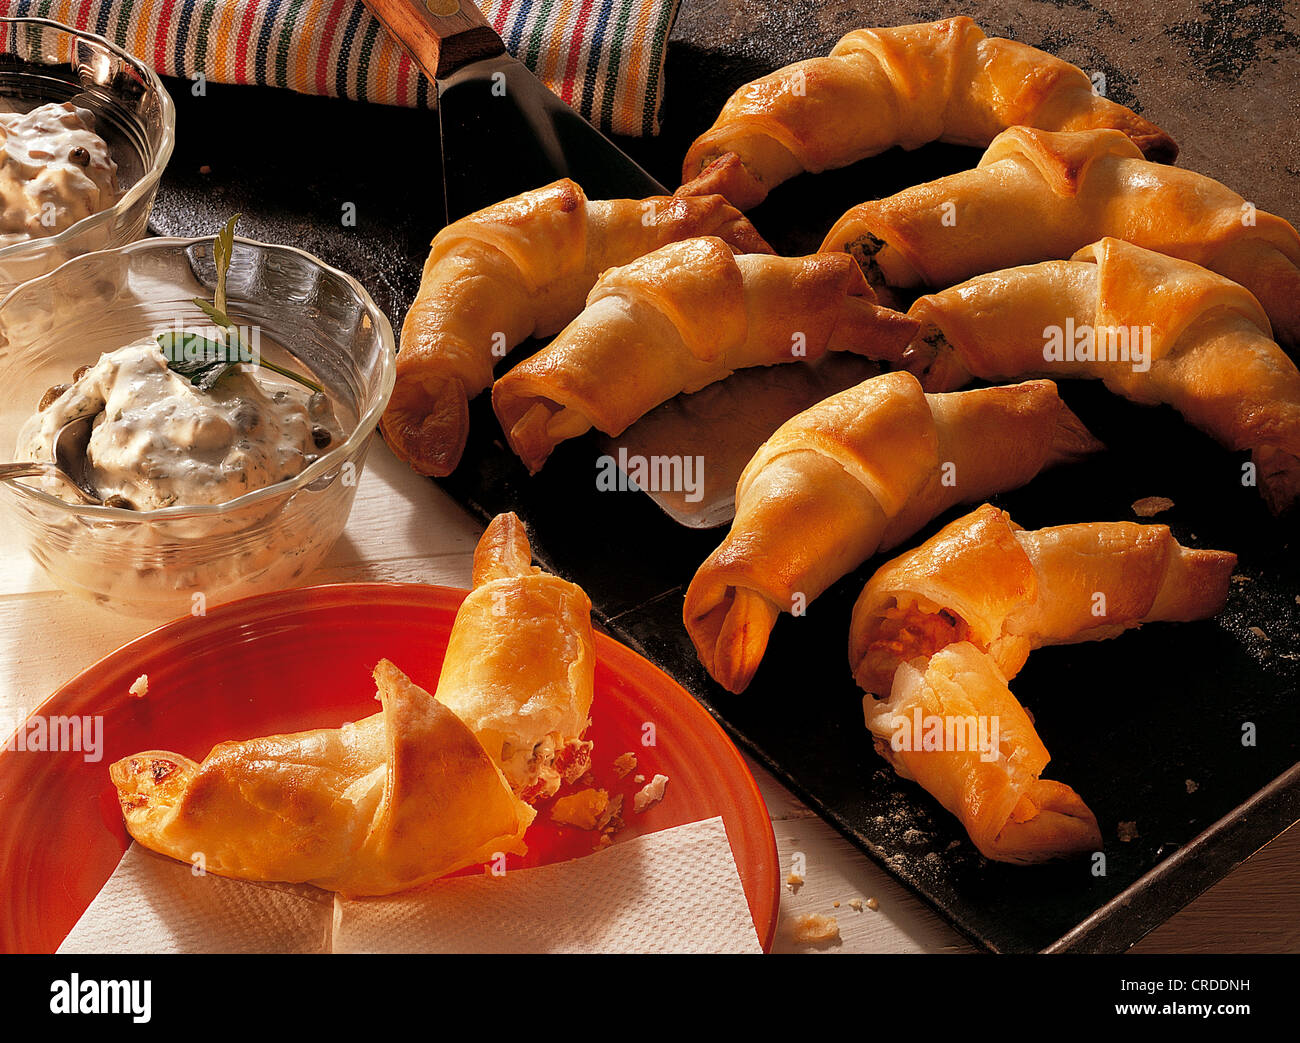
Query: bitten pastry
1153	328
678	319
1039	195
520	665
519	269
906	85
951	725
387	803
986	581
855	474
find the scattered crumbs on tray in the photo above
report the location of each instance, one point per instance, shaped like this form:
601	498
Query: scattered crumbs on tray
914	836
1191	785
1259	633
816	929
952	844
856	905
651	793
1150	506
624	764
140	686
1238	577
1127	831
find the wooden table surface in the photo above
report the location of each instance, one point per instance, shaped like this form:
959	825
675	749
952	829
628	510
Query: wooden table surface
405	529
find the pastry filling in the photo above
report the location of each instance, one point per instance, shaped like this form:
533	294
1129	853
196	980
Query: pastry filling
916	630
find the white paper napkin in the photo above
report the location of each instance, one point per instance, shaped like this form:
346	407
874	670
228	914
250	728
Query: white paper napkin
672	891
153	904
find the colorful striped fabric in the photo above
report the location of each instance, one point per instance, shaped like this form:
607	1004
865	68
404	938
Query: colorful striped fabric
603	57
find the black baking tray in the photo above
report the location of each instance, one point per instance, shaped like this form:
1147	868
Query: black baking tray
1148	727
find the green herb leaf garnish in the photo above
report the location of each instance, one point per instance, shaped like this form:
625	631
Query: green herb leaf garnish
203	361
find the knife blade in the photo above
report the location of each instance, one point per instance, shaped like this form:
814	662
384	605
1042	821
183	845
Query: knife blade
502	131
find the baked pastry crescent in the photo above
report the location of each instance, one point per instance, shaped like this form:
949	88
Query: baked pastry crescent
1040	195
986	581
387	803
520	664
1153	328
519	269
951	724
906	85
678	319
855	474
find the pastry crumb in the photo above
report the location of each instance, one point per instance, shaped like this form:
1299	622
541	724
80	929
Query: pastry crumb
140	687
835	905
1127	831
582	808
1150	506
795	880
1191	785
815	929
873	904
651	793
624	764
1259	633
638	779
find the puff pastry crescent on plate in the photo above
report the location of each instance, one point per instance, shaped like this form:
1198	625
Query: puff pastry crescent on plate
1040	195
855	474
520	664
387	803
520	268
906	85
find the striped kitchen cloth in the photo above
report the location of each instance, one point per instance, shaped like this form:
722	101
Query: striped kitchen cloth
603	57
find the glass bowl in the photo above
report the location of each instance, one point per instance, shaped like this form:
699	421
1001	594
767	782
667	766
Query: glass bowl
163	563
42	61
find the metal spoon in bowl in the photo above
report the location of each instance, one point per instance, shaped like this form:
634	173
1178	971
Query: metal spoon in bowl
70	464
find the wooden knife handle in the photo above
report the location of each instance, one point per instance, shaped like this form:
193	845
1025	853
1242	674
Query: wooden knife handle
440	35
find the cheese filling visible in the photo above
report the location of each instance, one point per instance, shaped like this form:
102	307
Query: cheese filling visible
158	441
916	630
54	171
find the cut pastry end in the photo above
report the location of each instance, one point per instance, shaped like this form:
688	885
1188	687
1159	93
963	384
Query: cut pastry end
541	426
903	633
731	636
1050	822
149	786
931	359
427	426
725	175
1279	478
503	551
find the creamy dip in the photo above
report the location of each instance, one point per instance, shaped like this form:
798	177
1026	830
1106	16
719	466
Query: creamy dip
158	441
54	170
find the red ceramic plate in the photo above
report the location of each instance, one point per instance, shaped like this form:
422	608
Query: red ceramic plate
301	659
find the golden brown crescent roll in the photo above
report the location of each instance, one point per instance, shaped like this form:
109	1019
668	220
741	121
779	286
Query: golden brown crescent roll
951	724
519	269
1040	195
906	85
855	474
370	808
678	319
520	665
1153	328
986	581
